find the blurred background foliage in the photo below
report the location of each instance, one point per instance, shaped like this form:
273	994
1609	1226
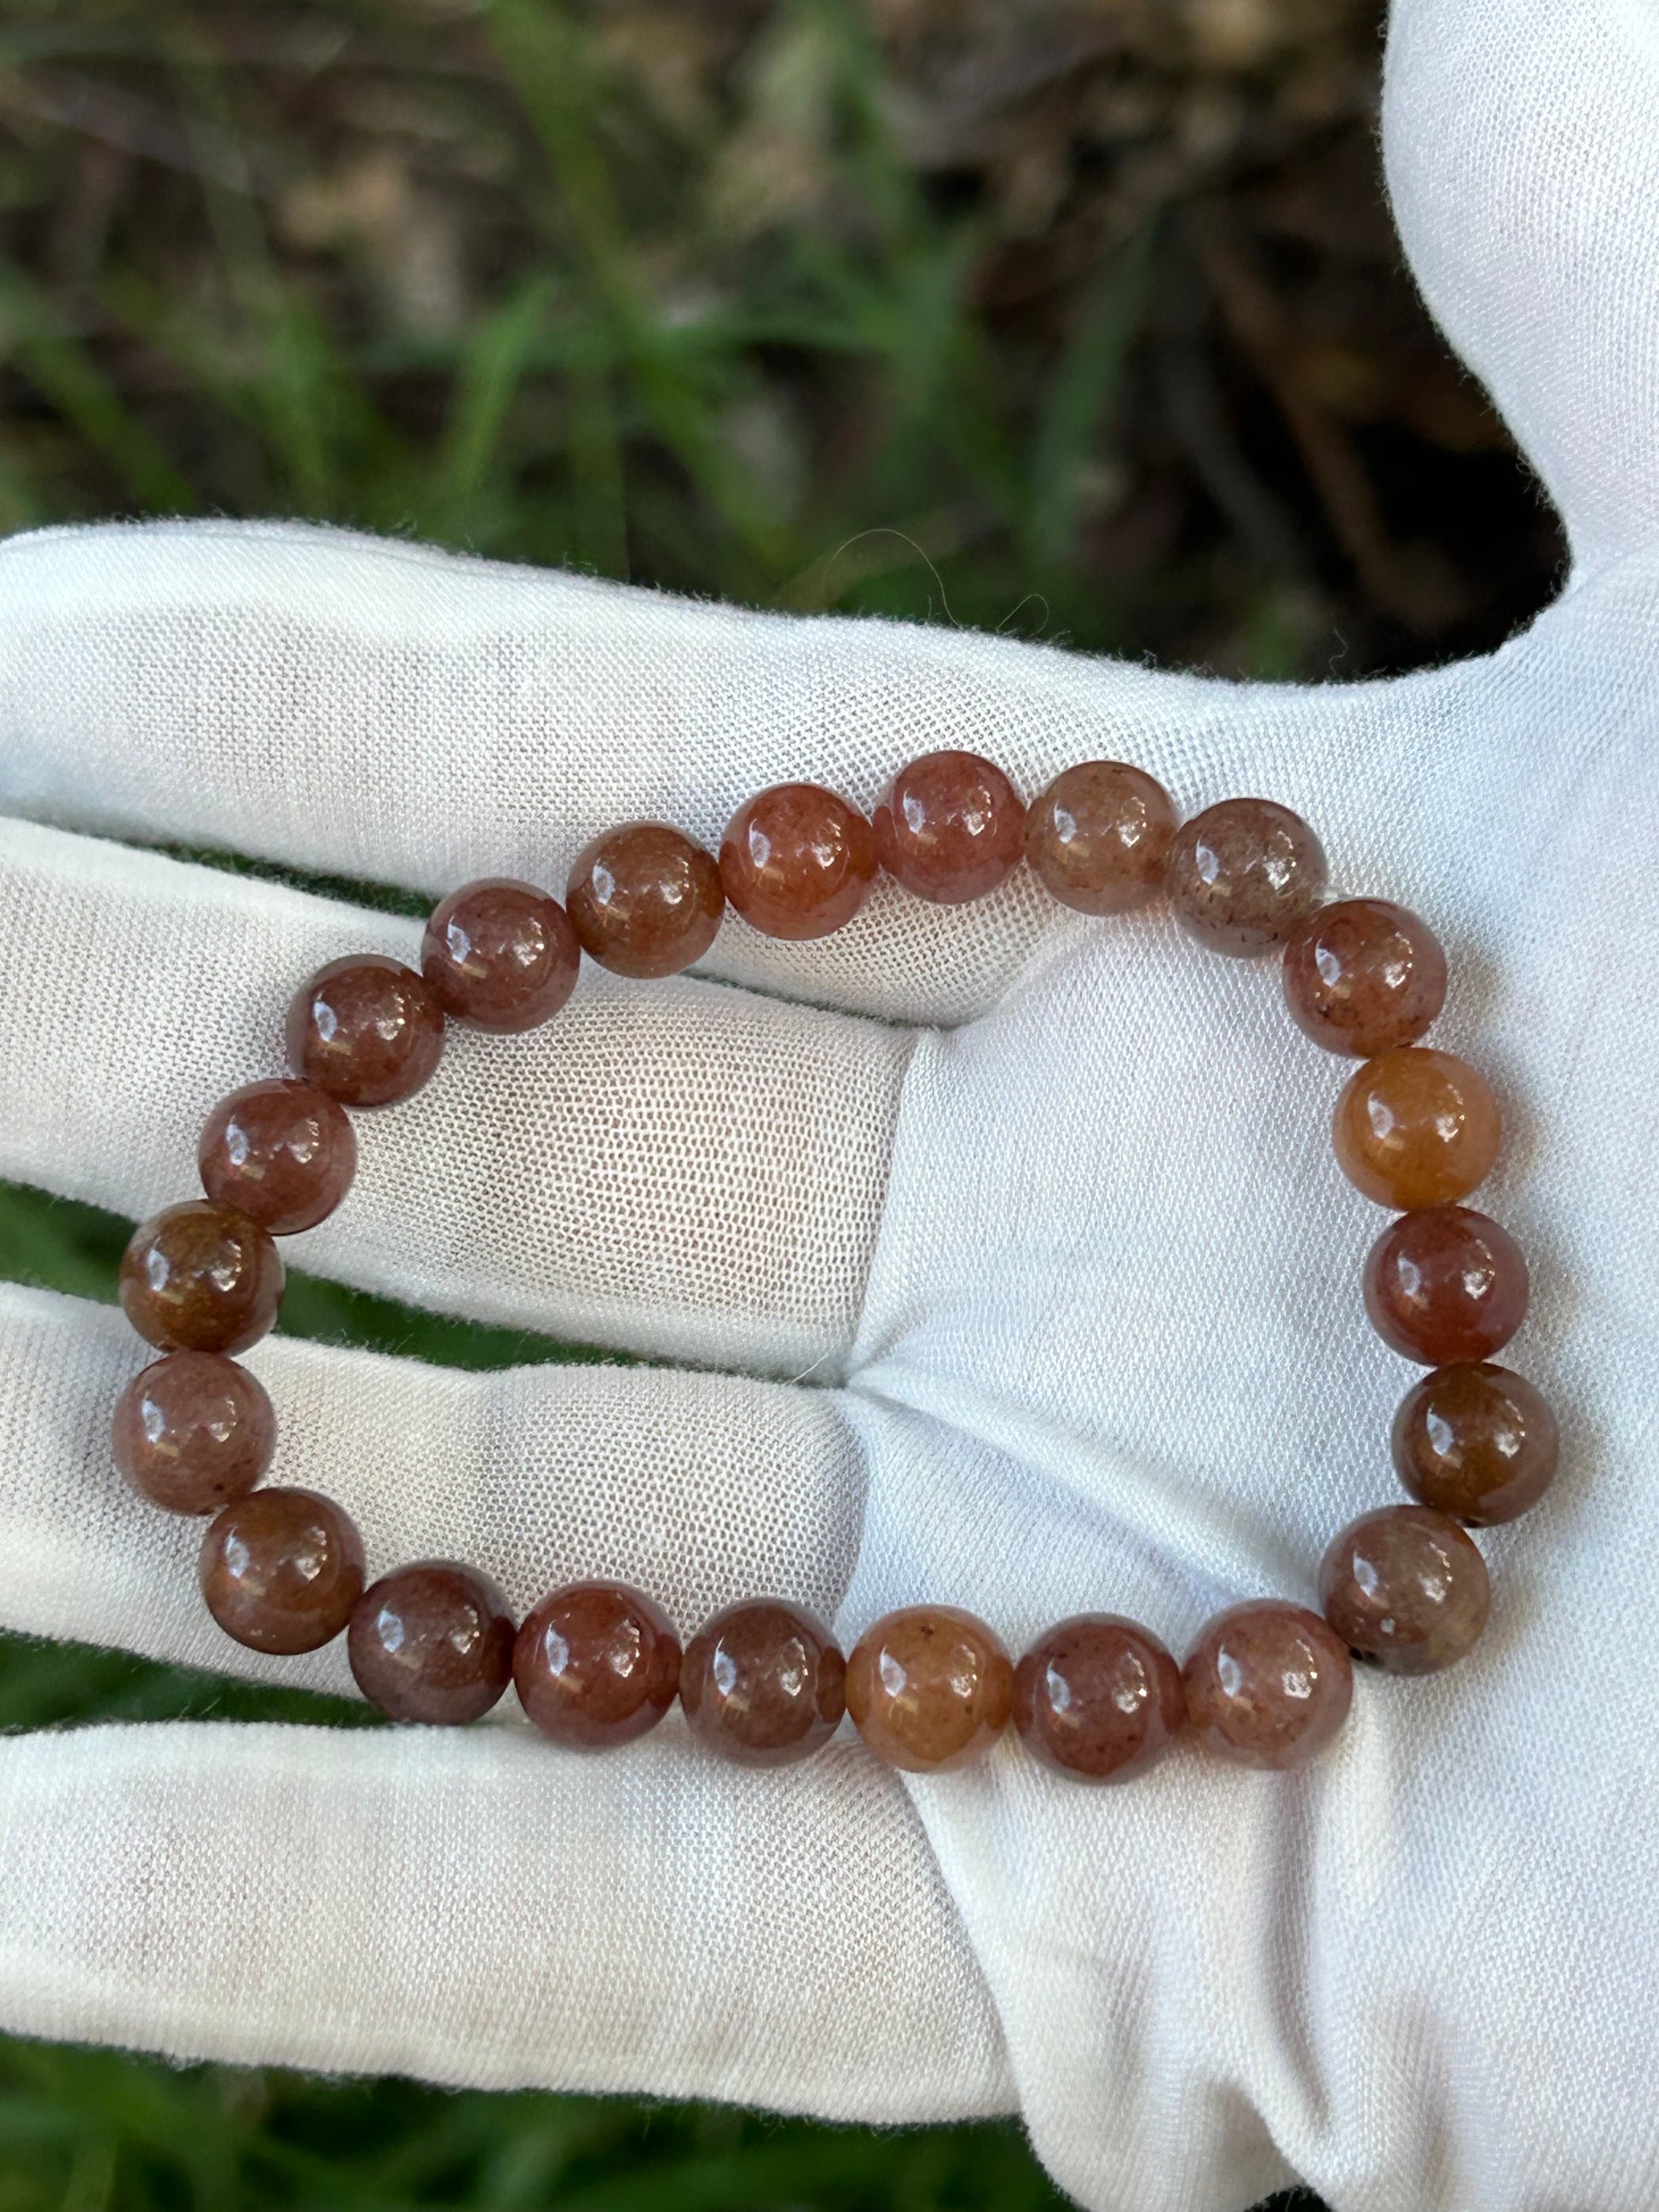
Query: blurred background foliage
1081	319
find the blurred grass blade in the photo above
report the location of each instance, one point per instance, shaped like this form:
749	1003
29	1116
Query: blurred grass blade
552	67
313	408
59	366
492	366
596	469
1081	396
20	509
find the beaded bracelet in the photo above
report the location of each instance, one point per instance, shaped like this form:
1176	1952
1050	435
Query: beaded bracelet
597	1663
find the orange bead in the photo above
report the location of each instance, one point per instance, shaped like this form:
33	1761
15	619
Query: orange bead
201	1278
950	828
797	861
644	901
930	1687
1363	977
1267	1683
1405	1588
366	1030
1099	837
1099	1697
1416	1127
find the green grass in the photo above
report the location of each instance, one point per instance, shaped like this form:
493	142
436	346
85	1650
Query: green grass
773	303
82	2130
635	395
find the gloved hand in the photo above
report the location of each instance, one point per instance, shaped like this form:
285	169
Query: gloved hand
1009	1267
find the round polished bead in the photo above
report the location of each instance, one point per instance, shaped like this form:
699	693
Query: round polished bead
950	828
1416	1127
1475	1442
1267	1683
930	1687
798	861
432	1643
1099	837
283	1153
1099	1697
1407	1589
366	1029
644	900
1445	1283
499	955
281	1569
1363	977
201	1278
193	1431
1244	875
596	1664
763	1683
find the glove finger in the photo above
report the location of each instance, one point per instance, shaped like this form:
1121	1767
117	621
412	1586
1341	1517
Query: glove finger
677	1168
1521	148
652	1921
699	1488
390	712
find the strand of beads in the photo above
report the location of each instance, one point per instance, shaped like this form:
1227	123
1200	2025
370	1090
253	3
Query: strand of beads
929	1688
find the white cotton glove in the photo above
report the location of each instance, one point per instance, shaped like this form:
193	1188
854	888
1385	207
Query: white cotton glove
1013	1269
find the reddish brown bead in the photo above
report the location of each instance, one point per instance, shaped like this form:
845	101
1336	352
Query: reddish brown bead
193	1431
1416	1127
432	1643
366	1029
1363	977
1099	837
283	1153
1475	1442
950	828
797	861
596	1664
1267	1683
1244	875
281	1569
763	1683
644	900
1407	1589
201	1278
1098	1697
1445	1283
930	1687
499	955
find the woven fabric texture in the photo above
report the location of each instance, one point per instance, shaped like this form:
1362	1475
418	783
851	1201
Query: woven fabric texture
1004	1261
